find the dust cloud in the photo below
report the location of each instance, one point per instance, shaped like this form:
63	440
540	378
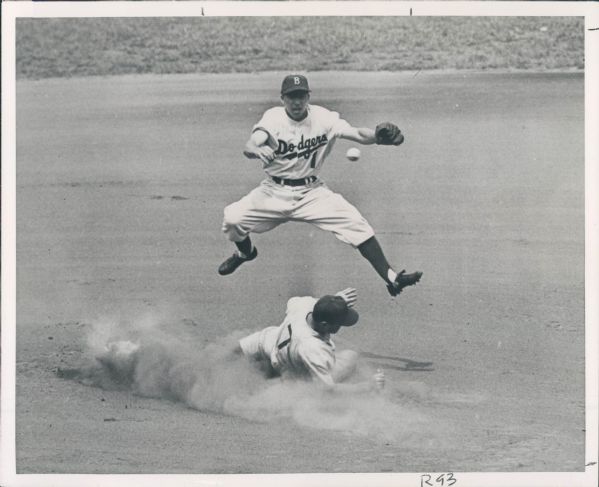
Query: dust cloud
153	362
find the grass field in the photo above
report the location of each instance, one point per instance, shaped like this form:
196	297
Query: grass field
121	182
62	47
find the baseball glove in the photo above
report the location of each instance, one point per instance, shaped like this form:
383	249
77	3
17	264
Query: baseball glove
387	133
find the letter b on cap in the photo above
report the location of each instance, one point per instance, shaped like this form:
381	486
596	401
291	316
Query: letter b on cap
294	82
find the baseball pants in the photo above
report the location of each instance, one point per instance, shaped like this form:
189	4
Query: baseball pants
270	204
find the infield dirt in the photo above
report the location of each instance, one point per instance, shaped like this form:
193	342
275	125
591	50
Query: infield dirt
121	183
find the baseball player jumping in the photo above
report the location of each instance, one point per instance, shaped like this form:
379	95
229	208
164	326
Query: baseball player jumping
292	141
301	346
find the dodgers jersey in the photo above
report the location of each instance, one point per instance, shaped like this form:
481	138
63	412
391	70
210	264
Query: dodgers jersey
300	349
300	147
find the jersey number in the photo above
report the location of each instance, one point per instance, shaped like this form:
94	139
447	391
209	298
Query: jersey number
313	161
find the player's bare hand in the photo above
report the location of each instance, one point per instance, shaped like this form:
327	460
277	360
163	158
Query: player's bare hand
266	154
379	380
350	295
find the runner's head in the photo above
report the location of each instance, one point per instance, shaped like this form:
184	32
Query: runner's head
331	313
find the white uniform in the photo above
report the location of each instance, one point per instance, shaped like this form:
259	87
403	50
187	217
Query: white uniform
300	150
293	348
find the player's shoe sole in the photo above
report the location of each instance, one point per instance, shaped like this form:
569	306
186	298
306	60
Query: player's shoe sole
232	263
403	280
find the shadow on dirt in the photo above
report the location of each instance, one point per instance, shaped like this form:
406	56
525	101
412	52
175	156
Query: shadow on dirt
406	364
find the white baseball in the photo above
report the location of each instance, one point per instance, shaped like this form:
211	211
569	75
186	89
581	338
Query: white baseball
353	154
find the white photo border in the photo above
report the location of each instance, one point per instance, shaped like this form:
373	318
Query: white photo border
13	10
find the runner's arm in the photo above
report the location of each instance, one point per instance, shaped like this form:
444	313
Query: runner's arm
320	370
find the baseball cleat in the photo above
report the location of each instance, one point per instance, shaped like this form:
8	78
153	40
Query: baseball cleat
403	280
232	263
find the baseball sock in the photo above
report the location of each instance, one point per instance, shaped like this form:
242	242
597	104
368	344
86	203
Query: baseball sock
372	251
245	247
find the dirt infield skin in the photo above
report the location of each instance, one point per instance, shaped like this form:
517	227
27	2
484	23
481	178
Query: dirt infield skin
121	184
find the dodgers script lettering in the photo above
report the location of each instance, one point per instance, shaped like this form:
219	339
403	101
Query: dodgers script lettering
304	148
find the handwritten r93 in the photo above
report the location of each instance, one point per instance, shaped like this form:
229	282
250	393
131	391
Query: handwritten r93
443	480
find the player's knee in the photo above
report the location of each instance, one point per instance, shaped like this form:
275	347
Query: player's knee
232	225
232	216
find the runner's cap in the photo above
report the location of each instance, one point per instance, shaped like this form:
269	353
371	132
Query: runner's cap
334	310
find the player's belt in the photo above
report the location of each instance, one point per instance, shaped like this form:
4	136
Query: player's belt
294	182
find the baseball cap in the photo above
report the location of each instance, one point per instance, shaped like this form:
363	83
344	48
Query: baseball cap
334	310
294	82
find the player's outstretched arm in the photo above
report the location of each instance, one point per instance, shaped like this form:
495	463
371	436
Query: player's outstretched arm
361	135
376	385
385	133
319	364
257	147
